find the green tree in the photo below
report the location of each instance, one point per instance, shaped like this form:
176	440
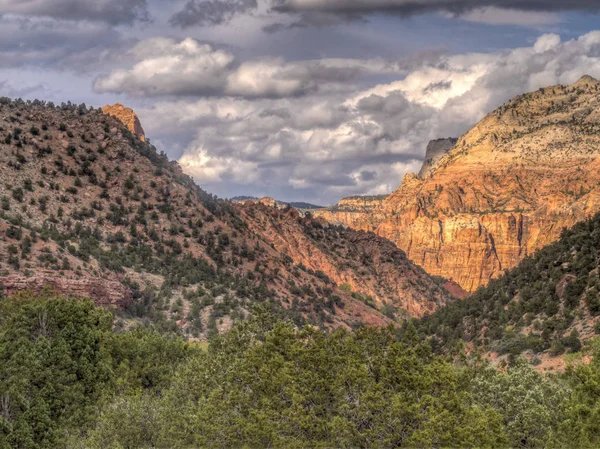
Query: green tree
53	369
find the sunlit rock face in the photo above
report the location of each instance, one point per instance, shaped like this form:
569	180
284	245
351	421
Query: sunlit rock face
505	189
127	117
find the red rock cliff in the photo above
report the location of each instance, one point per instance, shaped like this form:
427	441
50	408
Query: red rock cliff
508	187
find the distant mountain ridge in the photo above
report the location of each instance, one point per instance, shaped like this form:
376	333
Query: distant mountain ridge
294	204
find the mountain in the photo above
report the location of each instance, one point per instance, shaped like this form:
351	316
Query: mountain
295	204
545	307
359	212
504	190
90	209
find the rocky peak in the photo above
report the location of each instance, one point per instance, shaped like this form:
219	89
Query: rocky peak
436	150
128	117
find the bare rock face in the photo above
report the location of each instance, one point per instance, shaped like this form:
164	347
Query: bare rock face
359	212
127	117
436	150
507	188
102	291
268	202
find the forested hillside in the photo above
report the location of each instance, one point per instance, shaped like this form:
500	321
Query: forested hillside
89	209
68	381
548	305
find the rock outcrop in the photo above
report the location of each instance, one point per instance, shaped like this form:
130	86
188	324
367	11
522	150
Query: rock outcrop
102	291
507	188
436	150
359	212
127	117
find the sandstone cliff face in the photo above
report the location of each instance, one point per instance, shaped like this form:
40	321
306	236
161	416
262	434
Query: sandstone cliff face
127	117
358	212
507	188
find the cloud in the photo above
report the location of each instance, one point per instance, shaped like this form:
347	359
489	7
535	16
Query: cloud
360	8
7	89
114	12
323	146
63	45
497	16
165	66
199	164
168	67
321	13
211	12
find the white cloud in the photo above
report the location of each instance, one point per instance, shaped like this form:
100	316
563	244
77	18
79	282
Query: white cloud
169	67
199	164
164	66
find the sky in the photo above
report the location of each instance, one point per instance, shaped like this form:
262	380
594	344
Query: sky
300	100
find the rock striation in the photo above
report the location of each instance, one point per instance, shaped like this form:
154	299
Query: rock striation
508	187
127	117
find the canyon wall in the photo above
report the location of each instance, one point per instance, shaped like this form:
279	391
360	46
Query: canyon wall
507	188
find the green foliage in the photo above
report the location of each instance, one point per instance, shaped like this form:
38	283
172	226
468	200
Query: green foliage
144	359
531	406
267	384
67	380
53	369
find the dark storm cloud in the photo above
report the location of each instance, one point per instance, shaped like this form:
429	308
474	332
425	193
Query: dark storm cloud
211	12
353	9
113	12
367	175
322	13
50	43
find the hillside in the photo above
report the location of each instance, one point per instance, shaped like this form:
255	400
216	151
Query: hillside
506	189
372	268
90	209
545	307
